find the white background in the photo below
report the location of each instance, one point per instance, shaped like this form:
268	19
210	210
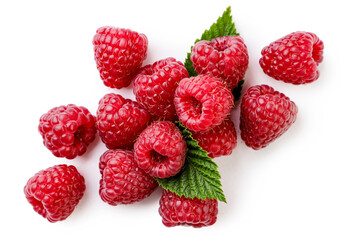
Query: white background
293	189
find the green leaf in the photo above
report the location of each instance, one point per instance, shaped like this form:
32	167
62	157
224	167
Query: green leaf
188	65
199	176
224	26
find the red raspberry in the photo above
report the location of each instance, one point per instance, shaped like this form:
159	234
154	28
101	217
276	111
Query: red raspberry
120	121
55	191
176	210
293	58
118	53
202	102
218	141
223	57
160	149
67	130
265	115
122	181
154	87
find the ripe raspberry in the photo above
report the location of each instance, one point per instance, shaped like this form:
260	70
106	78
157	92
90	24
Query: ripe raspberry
67	130
223	57
218	141
118	53
176	210
122	181
293	58
55	191
265	115
160	149
154	87
120	121
202	102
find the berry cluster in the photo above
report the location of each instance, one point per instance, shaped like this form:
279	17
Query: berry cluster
144	143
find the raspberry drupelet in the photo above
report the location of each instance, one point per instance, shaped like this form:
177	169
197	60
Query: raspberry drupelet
218	141
265	115
293	58
122	182
67	130
154	87
118	53
55	192
160	149
120	121
202	102
176	210
224	57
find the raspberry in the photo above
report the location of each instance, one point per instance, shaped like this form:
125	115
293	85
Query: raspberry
120	121
293	58
118	53
223	57
202	102
176	210
218	141
265	115
160	149
55	191
67	130
154	87
122	181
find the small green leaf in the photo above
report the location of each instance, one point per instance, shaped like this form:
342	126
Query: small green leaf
189	67
199	176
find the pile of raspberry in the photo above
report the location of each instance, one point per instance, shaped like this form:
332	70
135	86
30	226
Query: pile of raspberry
142	140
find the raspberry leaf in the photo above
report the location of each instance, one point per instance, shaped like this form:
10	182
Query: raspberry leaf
224	26
199	176
188	65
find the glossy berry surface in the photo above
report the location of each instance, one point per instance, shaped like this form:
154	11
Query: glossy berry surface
265	115
67	130
55	192
160	149
154	87
120	121
293	58
118	53
218	141
176	210
202	102
223	57
122	182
